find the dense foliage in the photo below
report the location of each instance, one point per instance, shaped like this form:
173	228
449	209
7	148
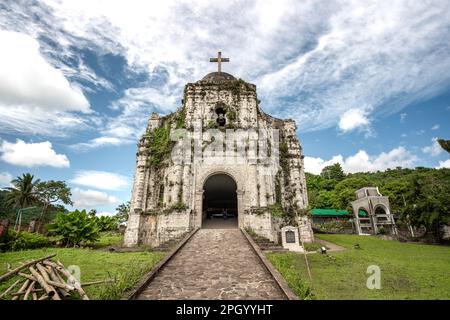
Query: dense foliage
421	194
76	227
23	192
39	200
24	240
52	192
106	223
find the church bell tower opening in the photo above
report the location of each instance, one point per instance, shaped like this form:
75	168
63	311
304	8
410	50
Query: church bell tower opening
220	202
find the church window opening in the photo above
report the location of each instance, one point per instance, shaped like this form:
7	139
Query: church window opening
221	111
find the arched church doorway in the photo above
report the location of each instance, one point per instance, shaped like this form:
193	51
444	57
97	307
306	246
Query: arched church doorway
220	206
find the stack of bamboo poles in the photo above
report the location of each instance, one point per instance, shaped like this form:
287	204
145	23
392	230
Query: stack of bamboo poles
42	279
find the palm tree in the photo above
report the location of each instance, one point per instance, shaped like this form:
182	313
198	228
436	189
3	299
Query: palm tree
23	193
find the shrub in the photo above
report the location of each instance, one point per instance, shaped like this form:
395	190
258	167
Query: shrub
382	230
75	227
314	246
335	226
106	223
25	240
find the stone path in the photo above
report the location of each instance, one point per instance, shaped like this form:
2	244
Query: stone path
220	223
332	247
214	264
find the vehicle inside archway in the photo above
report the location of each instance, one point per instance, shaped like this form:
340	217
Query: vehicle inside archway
220	202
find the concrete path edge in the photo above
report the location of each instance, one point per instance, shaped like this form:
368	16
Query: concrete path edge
145	280
281	282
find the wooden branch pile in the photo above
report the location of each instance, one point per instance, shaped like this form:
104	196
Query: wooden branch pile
43	279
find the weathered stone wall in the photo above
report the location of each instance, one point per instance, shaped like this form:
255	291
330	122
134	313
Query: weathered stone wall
163	191
261	224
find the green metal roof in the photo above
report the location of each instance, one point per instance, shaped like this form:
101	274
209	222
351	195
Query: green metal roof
362	213
329	212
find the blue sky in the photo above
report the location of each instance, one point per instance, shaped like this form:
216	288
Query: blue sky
368	82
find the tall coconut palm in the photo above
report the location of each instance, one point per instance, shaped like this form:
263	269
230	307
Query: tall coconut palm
23	193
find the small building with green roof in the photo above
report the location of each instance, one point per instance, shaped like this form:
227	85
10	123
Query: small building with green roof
332	220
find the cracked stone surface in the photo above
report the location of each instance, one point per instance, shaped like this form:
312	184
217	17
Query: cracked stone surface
214	264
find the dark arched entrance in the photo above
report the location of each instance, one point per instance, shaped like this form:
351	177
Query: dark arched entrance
220	208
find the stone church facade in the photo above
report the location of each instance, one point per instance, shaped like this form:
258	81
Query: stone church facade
218	155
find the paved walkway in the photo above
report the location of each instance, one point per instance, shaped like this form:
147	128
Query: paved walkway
220	223
214	264
332	247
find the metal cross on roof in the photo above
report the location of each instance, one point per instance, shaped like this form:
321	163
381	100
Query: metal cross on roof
219	61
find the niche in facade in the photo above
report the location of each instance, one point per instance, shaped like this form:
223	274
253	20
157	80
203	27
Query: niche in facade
221	110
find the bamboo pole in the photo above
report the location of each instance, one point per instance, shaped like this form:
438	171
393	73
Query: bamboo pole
55	278
9	289
60	267
27	293
306	261
96	282
51	292
27	276
16	270
22	289
32	291
45	275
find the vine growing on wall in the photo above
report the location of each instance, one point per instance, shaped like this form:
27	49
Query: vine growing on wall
159	146
181	118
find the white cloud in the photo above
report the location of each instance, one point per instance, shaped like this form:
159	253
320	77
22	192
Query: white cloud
105	213
38	122
403	117
100	180
444	164
336	55
35	97
28	80
435	127
315	165
136	105
363	162
98	142
31	154
5	179
434	149
92	198
353	119
420	132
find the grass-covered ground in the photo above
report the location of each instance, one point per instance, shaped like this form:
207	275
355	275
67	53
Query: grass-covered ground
408	270
124	268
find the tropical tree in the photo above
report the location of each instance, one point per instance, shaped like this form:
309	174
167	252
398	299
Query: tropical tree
345	192
52	192
23	193
122	212
334	172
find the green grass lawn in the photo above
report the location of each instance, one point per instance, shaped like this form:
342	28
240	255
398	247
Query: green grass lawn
125	268
408	270
108	239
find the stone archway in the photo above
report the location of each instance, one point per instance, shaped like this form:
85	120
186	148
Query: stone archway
205	173
220	202
381	213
